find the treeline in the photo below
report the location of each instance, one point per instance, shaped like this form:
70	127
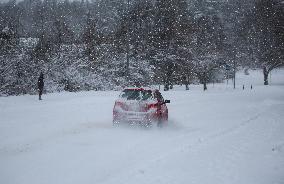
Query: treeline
107	44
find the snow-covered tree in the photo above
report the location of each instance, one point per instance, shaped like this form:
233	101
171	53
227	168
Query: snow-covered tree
91	38
208	44
264	32
171	33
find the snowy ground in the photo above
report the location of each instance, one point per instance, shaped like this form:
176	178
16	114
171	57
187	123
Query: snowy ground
222	136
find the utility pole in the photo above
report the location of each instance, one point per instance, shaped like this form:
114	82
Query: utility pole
127	45
234	73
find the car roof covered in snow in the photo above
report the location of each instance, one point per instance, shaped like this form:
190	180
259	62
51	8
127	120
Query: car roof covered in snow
140	88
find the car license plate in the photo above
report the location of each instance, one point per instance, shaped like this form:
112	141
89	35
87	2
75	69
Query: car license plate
134	116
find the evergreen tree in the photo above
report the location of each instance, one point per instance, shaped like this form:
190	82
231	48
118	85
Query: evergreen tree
171	33
91	38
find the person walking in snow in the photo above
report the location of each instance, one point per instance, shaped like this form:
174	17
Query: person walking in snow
40	85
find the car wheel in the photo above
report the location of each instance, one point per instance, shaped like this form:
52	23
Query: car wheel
160	122
115	123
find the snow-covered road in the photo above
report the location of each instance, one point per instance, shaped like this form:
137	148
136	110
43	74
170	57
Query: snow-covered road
214	137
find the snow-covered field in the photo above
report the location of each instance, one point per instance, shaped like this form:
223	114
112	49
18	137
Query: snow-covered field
221	136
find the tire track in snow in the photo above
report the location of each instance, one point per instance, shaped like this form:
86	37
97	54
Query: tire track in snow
236	151
139	169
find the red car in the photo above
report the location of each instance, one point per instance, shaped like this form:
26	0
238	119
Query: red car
140	106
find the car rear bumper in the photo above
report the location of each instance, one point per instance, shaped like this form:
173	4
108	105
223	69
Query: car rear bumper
134	117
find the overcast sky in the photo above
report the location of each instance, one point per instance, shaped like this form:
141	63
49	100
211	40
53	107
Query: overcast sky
1	1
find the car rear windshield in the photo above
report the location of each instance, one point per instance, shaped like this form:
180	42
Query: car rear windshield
134	94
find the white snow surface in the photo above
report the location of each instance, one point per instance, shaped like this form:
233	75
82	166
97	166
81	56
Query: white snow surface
221	136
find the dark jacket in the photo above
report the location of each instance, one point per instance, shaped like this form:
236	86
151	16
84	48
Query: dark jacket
40	82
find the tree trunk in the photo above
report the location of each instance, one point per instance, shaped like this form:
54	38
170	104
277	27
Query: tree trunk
166	87
204	86
185	81
265	73
186	87
204	81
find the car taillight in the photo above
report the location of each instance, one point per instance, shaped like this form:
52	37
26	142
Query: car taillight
121	105
152	106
